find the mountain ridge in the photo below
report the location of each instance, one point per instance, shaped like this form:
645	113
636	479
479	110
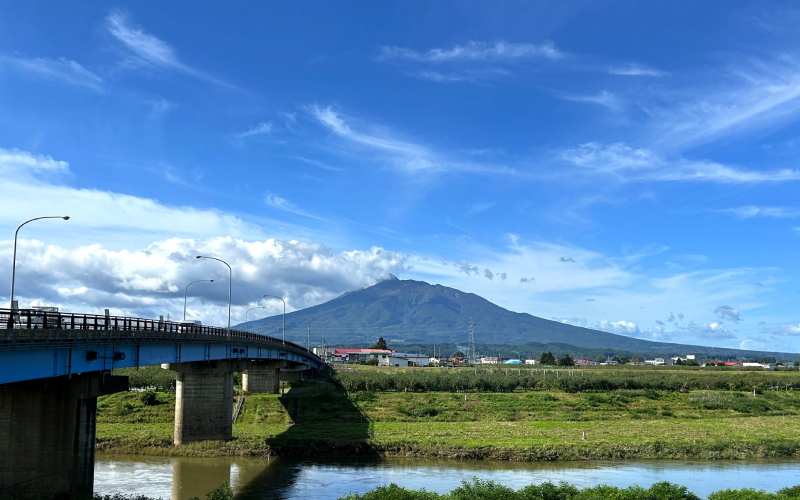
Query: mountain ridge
409	311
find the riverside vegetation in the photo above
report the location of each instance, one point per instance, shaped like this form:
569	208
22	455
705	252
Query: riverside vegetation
505	414
489	490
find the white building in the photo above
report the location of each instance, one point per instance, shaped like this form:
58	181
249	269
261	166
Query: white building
766	366
490	360
400	359
531	362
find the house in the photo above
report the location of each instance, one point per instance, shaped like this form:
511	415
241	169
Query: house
402	360
490	360
584	362
342	355
689	357
413	359
531	362
324	353
655	362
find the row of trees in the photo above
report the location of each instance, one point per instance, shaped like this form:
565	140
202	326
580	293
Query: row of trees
508	380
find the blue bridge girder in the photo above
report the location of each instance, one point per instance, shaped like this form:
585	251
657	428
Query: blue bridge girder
36	344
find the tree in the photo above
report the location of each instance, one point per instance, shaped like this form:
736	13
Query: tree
380	344
566	360
458	354
548	358
371	362
637	358
600	359
620	360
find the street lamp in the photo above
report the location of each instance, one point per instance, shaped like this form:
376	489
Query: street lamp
186	292
284	314
230	281
245	315
14	258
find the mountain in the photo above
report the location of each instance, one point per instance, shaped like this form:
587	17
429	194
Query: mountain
409	312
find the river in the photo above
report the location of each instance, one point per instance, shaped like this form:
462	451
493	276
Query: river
256	479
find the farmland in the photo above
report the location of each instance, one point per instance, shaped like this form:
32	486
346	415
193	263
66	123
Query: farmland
490	414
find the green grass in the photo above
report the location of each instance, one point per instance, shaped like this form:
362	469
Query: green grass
533	425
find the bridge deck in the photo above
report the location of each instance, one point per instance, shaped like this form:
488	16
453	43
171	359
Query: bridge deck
39	344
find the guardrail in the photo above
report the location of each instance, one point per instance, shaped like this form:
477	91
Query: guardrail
30	328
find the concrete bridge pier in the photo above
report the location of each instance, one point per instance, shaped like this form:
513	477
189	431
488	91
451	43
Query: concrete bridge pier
203	400
47	433
262	376
296	373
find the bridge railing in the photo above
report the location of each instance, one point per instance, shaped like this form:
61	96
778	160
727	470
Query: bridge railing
31	325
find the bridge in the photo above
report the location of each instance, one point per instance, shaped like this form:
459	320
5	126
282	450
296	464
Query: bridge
53	367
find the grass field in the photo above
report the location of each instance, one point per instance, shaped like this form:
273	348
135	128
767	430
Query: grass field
515	425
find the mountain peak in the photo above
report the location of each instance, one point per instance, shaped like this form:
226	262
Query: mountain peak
415	311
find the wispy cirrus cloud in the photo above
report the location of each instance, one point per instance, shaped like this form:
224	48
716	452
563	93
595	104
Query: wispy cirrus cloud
628	164
475	51
633	69
61	69
603	98
401	154
263	128
745	97
752	211
480	207
276	201
147	49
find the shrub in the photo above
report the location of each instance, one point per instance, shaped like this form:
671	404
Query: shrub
148	398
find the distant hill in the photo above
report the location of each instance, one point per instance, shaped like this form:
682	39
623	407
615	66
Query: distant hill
416	313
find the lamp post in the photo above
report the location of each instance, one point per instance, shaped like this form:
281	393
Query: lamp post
284	314
245	315
14	257
186	292
230	281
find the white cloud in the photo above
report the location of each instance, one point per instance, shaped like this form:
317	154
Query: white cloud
150	281
147	49
18	163
475	51
403	155
635	70
783	330
619	327
480	207
30	186
318	164
751	211
708	331
747	96
276	201
263	128
603	98
62	69
631	165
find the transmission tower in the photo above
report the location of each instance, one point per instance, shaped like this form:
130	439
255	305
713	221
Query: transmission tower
471	347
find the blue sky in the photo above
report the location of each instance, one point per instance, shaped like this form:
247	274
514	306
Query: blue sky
628	166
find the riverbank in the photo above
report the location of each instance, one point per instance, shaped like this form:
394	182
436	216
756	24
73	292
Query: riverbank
522	426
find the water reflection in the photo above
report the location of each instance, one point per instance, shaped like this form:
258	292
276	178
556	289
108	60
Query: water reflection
256	479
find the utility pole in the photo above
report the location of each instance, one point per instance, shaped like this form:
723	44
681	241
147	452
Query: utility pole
471	347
